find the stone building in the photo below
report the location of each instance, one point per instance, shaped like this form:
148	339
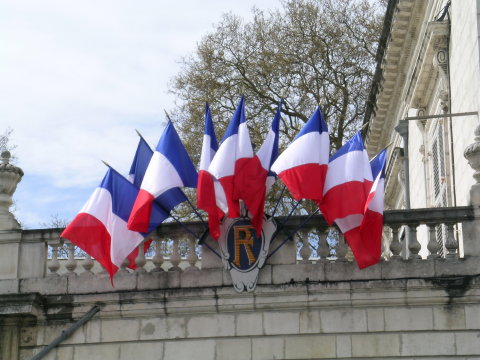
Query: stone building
421	302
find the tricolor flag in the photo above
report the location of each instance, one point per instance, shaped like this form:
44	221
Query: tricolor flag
169	169
268	152
229	161
140	162
206	198
303	165
368	250
347	185
100	228
261	177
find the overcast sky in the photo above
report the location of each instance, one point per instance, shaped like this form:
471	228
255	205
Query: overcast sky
78	77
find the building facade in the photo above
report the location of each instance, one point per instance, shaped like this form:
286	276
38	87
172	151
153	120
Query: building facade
421	302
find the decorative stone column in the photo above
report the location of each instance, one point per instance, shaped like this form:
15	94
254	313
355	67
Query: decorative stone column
471	229
10	176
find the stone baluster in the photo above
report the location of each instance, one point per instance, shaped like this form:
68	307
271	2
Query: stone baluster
192	257
87	265
124	266
54	264
414	246
395	245
305	251
342	248
158	258
140	260
451	243
433	245
175	258
322	249
71	263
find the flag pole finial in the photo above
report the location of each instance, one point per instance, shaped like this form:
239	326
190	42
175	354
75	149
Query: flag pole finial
107	164
168	116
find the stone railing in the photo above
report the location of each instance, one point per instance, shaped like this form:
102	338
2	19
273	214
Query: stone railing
315	252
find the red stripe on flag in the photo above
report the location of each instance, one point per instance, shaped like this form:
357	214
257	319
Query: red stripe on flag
206	201
250	186
345	199
227	183
366	240
90	235
305	181
140	216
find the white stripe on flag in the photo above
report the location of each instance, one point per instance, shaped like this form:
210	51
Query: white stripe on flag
160	176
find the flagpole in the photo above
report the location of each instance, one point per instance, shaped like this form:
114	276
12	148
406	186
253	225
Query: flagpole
278	201
292	234
285	221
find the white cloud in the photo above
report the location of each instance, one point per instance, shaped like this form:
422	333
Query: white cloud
79	76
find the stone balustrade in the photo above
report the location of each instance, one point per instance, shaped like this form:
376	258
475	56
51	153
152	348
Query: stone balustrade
316	252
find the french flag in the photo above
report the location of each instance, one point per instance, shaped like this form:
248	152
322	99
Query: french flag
303	165
369	247
169	169
261	178
100	228
229	165
347	184
140	162
268	152
206	192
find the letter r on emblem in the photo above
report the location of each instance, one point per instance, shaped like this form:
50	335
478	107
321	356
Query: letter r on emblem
243	236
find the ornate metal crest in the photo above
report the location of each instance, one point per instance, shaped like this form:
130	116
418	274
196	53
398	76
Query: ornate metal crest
243	253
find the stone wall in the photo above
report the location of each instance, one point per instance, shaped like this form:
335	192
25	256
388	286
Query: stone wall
403	318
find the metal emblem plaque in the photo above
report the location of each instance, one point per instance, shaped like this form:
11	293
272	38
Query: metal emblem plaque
243	253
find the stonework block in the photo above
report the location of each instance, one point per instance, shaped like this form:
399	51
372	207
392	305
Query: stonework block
286	254
265	275
376	345
275	323
211	326
248	324
173	279
310	347
233	349
64	352
449	318
92	331
433	344
54	330
284	274
472	316
344	271
267	348
151	281
467	343
344	346
120	330
375	319
407	269
343	320
171	327
9	286
78	285
310	322
195	349
141	350
407	319
103	352
205	278
50	285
